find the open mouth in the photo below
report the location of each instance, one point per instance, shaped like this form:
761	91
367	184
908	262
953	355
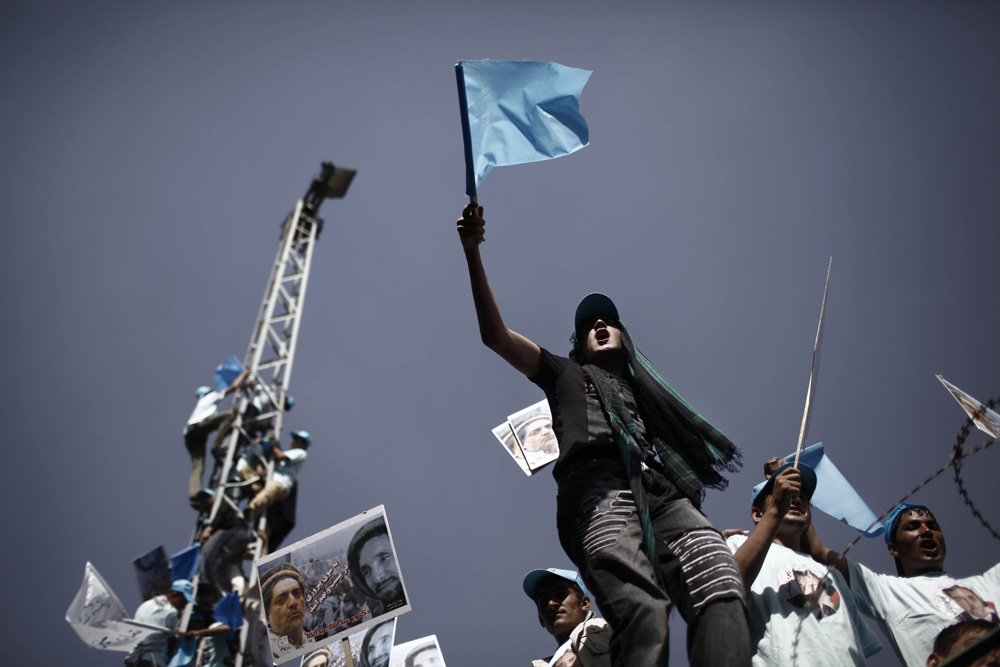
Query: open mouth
928	546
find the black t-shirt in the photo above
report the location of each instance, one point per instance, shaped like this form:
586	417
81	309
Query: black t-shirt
579	421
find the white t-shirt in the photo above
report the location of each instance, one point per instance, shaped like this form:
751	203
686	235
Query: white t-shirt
287	470
206	407
833	633
911	611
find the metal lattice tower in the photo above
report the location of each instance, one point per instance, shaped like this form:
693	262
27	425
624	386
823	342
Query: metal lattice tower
271	354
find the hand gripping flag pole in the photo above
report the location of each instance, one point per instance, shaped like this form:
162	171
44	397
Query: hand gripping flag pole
813	370
516	111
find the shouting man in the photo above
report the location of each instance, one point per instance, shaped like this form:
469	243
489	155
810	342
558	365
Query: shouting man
634	461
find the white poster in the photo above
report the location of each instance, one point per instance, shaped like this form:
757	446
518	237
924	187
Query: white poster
333	584
423	652
528	437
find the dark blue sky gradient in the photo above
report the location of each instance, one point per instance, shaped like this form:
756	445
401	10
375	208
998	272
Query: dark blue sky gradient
151	150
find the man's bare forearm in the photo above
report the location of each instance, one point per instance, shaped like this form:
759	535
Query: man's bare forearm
751	554
514	348
822	554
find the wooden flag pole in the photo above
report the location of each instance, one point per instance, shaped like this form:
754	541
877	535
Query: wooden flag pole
347	652
812	372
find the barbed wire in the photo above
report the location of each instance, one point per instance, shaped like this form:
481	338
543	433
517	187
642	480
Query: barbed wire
958	456
955	461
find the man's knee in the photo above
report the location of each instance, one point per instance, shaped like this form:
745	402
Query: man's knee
707	568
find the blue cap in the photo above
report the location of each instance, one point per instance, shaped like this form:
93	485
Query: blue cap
808	483
186	587
289	402
533	578
594	305
201	391
890	520
304	435
205	493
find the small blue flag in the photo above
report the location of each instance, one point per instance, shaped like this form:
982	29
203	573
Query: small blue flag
834	494
516	111
229	612
185	563
226	372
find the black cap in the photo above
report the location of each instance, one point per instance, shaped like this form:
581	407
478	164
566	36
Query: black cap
594	305
808	483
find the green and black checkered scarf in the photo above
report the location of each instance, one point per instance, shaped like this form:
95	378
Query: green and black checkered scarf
693	452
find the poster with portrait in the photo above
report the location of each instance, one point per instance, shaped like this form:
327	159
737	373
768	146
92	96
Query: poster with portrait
423	652
335	583
505	434
986	420
152	573
534	436
375	643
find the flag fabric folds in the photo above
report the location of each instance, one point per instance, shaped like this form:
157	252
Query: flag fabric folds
834	494
517	111
229	612
98	617
226	372
184	563
985	419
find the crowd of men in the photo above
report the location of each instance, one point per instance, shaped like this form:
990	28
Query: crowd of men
634	462
265	479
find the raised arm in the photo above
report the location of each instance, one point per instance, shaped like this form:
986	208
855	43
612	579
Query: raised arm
751	554
515	349
821	554
238	382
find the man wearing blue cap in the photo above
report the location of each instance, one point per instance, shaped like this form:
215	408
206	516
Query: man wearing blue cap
798	614
161	610
201	423
564	611
634	462
912	608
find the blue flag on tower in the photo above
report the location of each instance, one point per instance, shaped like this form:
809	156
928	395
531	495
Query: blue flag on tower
229	612
184	563
834	495
516	111
226	372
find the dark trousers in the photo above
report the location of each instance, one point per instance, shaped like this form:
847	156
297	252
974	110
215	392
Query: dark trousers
600	531
195	439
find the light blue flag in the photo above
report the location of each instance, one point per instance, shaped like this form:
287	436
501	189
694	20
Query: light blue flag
184	564
516	111
834	495
226	372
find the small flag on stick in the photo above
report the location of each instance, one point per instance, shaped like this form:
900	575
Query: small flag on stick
986	420
516	111
98	617
226	372
834	495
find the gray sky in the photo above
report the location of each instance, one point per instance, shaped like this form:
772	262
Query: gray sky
151	150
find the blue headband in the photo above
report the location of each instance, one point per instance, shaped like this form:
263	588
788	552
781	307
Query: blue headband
894	514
